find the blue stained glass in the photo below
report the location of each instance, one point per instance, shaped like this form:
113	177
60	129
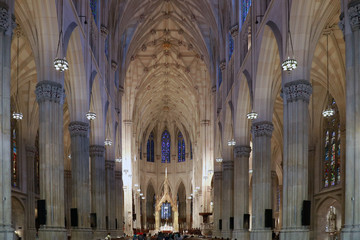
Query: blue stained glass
14	155
231	46
93	7
220	77
150	156
245	9
181	148
165	210
107	48
165	147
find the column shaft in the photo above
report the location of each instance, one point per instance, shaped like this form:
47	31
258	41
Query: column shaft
227	198
110	194
241	190
80	178
261	179
30	201
50	97
119	198
217	202
295	163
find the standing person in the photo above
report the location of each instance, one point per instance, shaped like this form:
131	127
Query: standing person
108	237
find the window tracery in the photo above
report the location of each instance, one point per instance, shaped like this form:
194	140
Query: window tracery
181	148
150	157
165	147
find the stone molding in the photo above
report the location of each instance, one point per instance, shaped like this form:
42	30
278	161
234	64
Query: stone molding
78	128
205	122
30	151
97	151
264	128
228	165
109	164
127	122
222	65
354	14
49	91
298	90
118	174
242	151
234	30
218	175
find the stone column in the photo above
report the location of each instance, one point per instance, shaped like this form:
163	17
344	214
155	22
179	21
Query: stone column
241	190
188	213
98	197
295	163
68	197
80	178
274	194
261	179
351	229
6	11
50	97
110	194
119	198
217	202
227	197
30	230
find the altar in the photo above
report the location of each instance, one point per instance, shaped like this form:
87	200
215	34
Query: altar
166	228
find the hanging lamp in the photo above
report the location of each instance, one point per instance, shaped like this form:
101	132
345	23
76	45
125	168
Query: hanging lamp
290	63
17	114
108	141
329	111
60	63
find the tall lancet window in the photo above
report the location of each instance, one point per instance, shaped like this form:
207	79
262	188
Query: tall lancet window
331	163
181	148
245	7
191	153
14	154
165	147
94	9
150	148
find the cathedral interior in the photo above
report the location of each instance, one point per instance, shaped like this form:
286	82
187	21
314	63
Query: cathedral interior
233	119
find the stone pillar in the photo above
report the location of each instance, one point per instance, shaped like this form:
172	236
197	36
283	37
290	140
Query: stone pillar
274	194
119	198
98	197
50	97
188	213
351	229
80	178
227	197
241	190
261	179
30	230
6	11
110	194
217	202
68	197
295	163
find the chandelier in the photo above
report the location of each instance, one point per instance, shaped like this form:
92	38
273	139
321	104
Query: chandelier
108	142
290	63
252	115
17	115
328	112
231	142
60	63
219	160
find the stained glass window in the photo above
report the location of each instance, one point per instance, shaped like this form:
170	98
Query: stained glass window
165	147
150	157
331	166
191	153
231	45
165	210
37	164
94	9
220	76
245	7
181	148
14	154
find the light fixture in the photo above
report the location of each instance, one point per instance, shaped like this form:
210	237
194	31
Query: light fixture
290	63
197	188
125	171
139	190
250	170
219	160
210	171
231	142
108	142
141	194
17	115
211	203
328	112
143	198
252	115
136	185
118	160
60	63
90	115
190	198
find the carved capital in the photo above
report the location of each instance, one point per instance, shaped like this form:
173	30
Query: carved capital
228	165
78	128
264	128
222	65
97	151
218	175
298	90
114	65
341	23
104	31
242	151
49	91
109	164
234	30
354	14
4	18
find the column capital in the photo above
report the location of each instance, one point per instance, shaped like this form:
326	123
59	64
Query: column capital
109	164
78	128
354	14
218	175
234	30
222	65
298	90
7	22
228	165
205	122
242	151
97	150
264	128
49	91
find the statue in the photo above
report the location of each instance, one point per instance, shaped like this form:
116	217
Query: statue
331	221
